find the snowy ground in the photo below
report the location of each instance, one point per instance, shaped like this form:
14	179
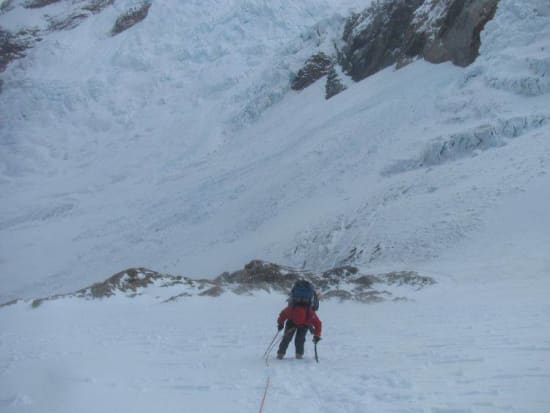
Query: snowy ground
478	341
438	354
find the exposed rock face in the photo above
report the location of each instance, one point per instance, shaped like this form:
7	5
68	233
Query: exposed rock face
344	283
454	36
334	84
13	46
131	18
314	68
82	13
397	31
260	275
68	22
375	38
35	4
127	282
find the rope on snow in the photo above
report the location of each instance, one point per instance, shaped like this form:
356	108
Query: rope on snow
265	393
270	348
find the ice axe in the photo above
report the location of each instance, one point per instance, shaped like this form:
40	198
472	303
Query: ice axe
315	348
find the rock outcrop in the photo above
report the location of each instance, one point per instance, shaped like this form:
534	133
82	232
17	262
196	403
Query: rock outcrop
375	38
14	44
73	19
36	4
316	67
454	36
395	32
334	84
130	18
342	283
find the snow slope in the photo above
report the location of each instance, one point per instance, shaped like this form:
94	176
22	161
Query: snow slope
106	141
478	341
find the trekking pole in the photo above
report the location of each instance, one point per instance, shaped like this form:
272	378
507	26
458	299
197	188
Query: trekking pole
271	345
274	343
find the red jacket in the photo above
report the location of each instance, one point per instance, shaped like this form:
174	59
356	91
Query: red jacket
301	316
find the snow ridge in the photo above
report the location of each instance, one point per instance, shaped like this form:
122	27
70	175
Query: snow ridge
342	283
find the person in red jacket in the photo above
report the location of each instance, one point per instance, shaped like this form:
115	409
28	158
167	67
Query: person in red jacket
299	319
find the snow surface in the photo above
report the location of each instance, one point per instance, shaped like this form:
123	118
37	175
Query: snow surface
478	341
177	146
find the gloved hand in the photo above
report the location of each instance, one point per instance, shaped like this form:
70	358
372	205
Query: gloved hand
280	327
316	339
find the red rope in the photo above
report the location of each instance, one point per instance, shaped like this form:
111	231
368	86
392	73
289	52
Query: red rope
265	394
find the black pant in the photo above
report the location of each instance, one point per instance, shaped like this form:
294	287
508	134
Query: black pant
290	329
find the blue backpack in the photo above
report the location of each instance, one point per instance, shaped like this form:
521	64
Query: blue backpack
303	294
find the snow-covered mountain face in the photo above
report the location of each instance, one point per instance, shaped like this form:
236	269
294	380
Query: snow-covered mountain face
121	133
178	144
